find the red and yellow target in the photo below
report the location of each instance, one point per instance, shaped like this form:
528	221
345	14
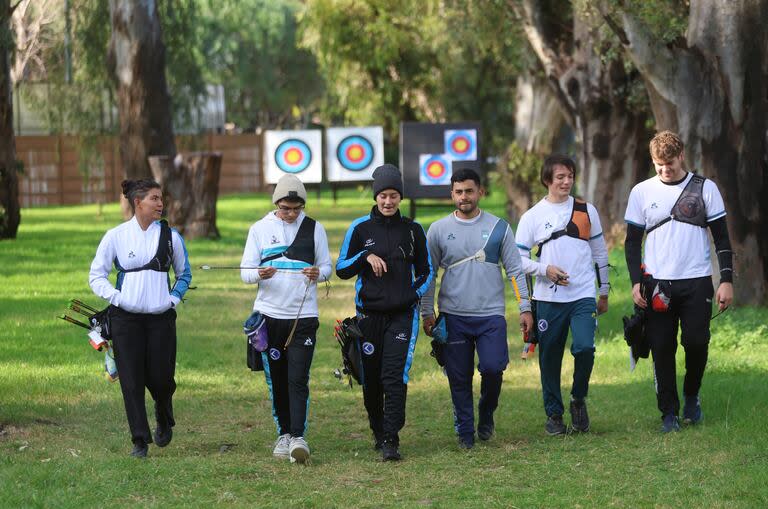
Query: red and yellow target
461	144
434	170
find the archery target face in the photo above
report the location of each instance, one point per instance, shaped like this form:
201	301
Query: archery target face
352	153
293	152
461	144
434	170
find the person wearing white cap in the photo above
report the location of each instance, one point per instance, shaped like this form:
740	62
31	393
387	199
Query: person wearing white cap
288	253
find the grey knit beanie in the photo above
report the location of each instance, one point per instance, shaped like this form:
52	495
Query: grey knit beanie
387	176
291	188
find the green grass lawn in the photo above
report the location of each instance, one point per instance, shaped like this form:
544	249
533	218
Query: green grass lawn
64	438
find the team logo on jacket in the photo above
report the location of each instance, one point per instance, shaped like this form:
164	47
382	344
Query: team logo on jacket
308	342
401	336
654	206
543	325
131	255
451	236
547	225
274	240
485	234
370	242
274	354
368	348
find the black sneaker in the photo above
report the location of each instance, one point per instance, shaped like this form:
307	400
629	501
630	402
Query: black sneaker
389	451
692	413
467	442
555	425
140	449
485	428
378	440
163	436
579	416
670	423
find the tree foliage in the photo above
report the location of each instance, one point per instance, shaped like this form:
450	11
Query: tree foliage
251	48
397	60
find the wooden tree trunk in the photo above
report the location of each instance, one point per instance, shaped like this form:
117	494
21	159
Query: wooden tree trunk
136	60
593	97
713	91
10	214
190	185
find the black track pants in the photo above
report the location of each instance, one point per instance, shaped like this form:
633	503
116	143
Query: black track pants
287	372
691	308
145	353
387	348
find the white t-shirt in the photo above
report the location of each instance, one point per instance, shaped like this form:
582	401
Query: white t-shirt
674	250
575	256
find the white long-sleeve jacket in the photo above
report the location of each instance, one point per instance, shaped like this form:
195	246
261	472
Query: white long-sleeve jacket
280	296
127	246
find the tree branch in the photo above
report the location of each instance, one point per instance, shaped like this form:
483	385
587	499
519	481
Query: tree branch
555	68
655	61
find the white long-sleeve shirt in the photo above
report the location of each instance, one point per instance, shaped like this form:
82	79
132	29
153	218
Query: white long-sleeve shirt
280	296
127	246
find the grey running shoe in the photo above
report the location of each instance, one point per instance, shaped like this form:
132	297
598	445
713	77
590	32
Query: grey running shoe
555	425
299	450
579	416
282	447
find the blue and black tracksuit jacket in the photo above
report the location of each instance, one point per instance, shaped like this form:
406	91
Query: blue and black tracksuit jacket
402	244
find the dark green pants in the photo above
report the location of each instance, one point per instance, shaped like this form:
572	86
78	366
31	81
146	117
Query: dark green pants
553	321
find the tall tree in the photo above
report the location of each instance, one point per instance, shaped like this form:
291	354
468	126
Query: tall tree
251	47
10	214
600	95
711	86
136	61
430	61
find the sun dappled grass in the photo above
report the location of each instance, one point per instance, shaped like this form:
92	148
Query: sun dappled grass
64	441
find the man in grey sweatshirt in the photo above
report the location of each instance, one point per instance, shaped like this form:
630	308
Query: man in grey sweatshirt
469	245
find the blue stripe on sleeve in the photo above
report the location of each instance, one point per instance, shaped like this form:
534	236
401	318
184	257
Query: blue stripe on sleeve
428	280
520	246
634	224
343	262
184	279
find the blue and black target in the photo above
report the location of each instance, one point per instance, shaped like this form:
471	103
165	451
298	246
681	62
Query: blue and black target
355	153
293	156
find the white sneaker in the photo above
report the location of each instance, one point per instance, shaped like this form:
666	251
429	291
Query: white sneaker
282	446
299	450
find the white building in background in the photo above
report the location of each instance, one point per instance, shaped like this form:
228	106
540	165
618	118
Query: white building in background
209	116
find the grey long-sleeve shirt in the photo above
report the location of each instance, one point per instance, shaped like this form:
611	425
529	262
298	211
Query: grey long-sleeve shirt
472	288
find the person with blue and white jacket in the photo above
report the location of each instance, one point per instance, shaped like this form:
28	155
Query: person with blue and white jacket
388	253
286	254
142	308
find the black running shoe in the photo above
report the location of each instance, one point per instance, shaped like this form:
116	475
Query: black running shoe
378	440
670	423
579	416
389	451
485	427
692	413
163	436
140	449
555	425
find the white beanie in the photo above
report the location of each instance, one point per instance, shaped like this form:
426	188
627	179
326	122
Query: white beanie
291	188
